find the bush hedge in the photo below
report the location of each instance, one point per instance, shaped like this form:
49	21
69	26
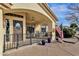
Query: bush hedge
68	32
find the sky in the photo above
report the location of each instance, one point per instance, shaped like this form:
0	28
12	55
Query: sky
60	10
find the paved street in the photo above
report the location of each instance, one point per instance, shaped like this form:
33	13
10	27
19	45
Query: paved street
50	49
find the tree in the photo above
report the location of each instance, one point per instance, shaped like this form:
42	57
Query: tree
73	25
73	15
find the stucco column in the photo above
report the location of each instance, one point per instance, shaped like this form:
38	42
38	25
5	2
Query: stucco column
11	29
24	27
53	30
1	32
37	28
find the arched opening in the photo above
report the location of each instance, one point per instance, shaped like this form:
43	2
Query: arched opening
24	21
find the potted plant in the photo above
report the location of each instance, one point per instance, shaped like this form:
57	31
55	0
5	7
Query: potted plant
49	40
43	42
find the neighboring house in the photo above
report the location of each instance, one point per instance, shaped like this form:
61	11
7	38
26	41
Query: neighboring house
17	18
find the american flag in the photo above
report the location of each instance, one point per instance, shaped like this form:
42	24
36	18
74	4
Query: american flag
60	32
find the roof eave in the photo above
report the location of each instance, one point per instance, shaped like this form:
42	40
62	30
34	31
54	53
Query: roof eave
51	14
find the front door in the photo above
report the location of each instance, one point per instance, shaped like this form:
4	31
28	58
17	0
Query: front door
18	30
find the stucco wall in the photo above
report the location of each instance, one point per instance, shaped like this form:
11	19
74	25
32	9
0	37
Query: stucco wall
1	32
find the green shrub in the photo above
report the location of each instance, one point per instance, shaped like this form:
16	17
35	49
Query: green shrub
68	32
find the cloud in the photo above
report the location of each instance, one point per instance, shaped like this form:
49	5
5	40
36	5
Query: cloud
77	14
60	10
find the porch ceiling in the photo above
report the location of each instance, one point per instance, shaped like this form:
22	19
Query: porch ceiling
41	8
33	17
36	18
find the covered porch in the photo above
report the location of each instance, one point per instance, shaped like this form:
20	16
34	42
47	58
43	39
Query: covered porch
25	27
22	19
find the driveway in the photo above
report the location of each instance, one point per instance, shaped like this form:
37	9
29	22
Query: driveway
50	49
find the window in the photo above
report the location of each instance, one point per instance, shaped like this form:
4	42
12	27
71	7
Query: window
30	29
7	29
43	29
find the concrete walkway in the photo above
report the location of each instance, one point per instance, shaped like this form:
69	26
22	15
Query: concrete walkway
71	40
50	49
